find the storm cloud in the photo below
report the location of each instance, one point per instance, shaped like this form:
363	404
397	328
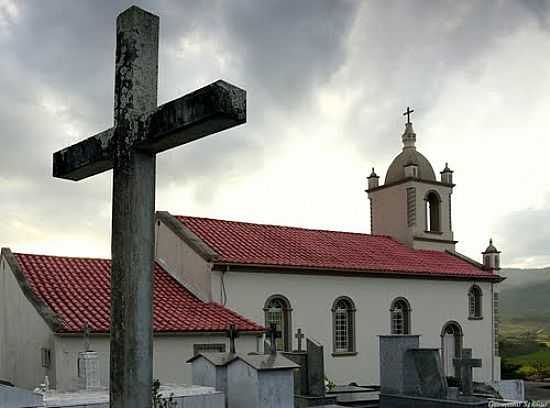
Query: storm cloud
326	83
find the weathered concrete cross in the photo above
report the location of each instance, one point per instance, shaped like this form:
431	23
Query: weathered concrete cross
299	336
465	366
141	129
232	333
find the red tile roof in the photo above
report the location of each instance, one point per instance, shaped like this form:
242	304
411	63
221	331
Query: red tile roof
78	291
289	247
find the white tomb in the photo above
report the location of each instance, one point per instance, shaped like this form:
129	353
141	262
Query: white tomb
260	380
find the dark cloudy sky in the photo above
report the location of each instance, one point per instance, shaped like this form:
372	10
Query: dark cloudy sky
326	81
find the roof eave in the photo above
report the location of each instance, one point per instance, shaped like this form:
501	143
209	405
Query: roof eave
251	267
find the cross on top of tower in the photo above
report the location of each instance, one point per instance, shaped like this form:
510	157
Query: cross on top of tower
408	114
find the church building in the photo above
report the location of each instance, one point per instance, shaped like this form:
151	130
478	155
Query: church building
344	289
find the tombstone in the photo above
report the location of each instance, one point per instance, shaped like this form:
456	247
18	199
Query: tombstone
260	380
210	369
427	377
309	379
464	366
413	377
141	130
395	368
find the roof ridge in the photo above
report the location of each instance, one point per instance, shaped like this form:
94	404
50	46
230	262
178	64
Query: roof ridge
64	256
286	226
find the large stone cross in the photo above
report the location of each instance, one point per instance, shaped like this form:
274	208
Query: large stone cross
465	366
140	131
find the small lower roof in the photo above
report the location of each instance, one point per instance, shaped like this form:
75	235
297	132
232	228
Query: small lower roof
72	292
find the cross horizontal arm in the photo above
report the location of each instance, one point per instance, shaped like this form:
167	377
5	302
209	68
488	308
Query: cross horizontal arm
209	110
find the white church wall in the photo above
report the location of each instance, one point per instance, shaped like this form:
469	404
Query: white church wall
170	355
182	262
433	303
23	334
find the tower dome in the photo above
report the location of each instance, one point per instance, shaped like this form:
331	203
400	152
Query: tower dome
409	155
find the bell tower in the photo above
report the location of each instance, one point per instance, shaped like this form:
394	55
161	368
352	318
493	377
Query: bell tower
412	206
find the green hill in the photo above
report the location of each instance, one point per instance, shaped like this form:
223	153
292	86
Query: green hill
525	294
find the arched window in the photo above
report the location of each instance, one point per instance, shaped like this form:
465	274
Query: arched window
451	346
278	311
474	302
343	325
400	314
433	204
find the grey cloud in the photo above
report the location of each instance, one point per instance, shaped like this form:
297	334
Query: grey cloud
526	234
279	52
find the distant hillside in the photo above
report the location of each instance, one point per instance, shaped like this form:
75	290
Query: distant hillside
525	294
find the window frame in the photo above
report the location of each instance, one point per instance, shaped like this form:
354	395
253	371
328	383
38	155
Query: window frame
351	331
476	294
406	317
286	336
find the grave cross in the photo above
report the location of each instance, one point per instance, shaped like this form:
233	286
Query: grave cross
273	334
232	333
464	366
299	336
86	334
141	129
408	114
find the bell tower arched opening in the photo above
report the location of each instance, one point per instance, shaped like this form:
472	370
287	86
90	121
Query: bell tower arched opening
433	212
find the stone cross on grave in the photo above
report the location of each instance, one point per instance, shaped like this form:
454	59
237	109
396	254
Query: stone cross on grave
273	335
465	366
299	336
86	335
140	131
232	333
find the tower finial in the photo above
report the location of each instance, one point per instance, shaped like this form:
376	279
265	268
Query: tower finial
408	114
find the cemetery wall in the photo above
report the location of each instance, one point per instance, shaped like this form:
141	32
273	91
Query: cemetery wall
170	355
183	263
23	335
433	303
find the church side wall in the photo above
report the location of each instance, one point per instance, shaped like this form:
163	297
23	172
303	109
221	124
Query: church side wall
433	303
23	333
182	262
169	358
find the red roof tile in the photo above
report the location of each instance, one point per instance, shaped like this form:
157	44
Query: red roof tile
78	291
290	247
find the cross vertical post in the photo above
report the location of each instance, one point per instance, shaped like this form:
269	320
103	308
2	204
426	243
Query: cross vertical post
132	242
